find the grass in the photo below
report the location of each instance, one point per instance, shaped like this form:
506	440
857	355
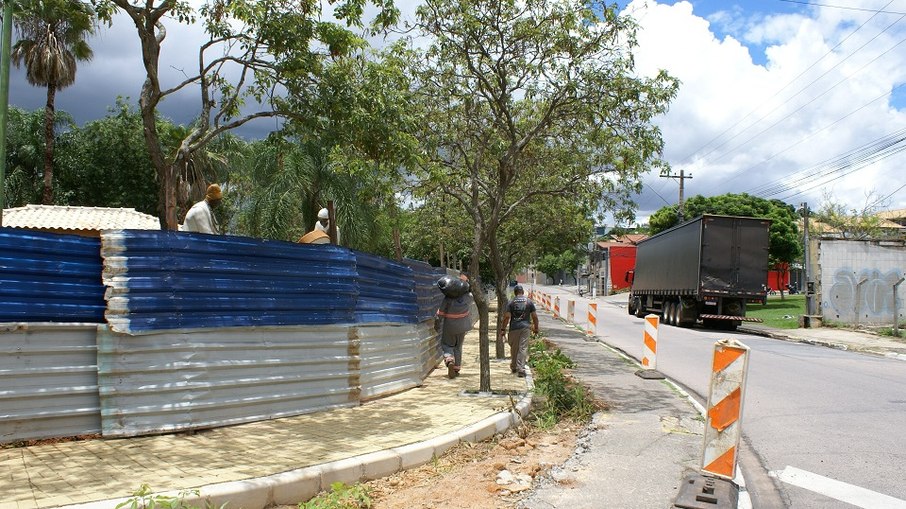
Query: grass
777	313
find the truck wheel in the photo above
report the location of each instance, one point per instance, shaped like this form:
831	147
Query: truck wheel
674	313
639	308
631	306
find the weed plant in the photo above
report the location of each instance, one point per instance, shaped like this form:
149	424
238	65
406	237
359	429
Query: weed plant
561	396
340	496
144	499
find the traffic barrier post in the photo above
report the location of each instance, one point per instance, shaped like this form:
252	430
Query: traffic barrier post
592	328
649	350
571	311
725	403
556	307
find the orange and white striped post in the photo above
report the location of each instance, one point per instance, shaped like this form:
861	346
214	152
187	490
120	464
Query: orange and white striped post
649	342
592	327
571	311
556	307
725	402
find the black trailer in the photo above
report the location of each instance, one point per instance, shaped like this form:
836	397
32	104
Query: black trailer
705	269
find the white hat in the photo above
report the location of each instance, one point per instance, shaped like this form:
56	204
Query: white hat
322	214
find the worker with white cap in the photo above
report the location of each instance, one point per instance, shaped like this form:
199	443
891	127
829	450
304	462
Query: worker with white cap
323	223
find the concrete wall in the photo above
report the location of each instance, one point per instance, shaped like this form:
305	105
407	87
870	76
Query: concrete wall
857	278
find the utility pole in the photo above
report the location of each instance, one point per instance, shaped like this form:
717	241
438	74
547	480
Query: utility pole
5	40
809	287
682	179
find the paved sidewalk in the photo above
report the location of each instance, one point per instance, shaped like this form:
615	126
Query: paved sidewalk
839	338
279	461
635	454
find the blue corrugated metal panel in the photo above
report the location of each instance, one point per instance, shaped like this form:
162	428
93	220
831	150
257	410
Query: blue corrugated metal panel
171	280
45	277
48	381
427	292
386	291
180	380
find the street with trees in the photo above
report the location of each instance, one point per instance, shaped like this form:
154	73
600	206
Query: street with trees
539	98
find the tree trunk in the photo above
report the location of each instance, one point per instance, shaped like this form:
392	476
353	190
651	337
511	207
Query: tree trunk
49	135
500	289
481	302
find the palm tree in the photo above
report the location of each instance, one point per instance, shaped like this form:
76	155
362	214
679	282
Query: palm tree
51	39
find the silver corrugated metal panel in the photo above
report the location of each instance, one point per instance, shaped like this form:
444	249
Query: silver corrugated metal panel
48	381
429	352
191	379
389	358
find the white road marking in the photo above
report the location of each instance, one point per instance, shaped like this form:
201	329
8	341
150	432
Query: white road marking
844	492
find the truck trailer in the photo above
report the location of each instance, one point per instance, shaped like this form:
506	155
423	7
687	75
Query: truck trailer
705	269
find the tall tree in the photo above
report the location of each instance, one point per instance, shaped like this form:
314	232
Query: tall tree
52	37
258	53
105	163
541	92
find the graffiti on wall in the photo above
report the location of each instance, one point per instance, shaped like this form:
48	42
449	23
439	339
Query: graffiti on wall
867	294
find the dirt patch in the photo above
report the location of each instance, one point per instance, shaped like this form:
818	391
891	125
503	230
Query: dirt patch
486	475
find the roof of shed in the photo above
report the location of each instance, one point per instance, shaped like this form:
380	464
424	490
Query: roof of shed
66	217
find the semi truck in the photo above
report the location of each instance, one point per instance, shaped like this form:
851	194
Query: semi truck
706	269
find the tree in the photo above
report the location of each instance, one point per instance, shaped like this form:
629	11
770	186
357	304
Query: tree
785	243
848	223
24	155
540	92
255	51
105	163
51	40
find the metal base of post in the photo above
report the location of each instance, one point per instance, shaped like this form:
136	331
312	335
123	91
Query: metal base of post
701	492
650	374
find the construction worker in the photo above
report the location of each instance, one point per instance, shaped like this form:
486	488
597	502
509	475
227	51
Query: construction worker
200	217
323	223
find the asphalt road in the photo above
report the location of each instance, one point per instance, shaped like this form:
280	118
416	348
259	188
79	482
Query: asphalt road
824	428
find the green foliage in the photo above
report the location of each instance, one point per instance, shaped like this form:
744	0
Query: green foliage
341	496
563	398
24	155
105	163
144	498
847	223
785	243
566	261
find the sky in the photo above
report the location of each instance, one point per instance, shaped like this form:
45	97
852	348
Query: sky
802	101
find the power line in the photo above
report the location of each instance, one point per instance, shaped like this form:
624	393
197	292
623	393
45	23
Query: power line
846	7
819	170
781	89
801	107
813	133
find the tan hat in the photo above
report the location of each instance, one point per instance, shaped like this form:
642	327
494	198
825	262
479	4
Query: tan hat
214	192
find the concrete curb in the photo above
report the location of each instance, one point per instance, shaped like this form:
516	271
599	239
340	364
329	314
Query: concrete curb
817	342
291	487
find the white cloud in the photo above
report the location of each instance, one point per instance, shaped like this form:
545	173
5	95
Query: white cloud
735	126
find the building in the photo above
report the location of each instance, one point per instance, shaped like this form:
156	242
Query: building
610	263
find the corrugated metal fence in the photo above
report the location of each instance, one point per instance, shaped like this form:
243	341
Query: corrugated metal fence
49	278
206	331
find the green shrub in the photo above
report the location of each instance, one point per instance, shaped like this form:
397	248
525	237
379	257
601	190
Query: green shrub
562	398
340	496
